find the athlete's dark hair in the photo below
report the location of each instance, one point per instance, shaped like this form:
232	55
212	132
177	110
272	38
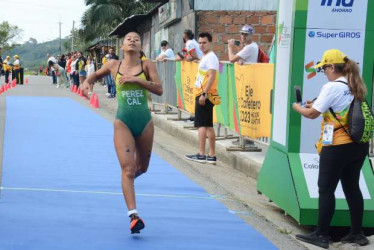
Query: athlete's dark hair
189	34
207	35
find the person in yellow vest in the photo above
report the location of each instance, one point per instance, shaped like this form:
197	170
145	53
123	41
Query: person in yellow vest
7	68
16	67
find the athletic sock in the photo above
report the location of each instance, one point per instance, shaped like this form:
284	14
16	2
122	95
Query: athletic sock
131	212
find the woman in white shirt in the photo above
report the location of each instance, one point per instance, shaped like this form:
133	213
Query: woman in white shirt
341	158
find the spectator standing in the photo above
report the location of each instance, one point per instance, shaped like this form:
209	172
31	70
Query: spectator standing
248	48
166	52
192	49
16	68
109	81
62	61
73	73
206	83
7	68
1	65
112	54
60	74
80	67
90	69
52	70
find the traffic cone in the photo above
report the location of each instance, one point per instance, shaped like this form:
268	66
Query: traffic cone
14	82
95	102
91	99
1	89
26	81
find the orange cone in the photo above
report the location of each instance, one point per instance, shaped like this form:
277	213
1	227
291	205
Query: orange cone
80	92
1	89
26	81
91	99
95	102
14	82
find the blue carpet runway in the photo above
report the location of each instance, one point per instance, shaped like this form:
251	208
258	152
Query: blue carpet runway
61	189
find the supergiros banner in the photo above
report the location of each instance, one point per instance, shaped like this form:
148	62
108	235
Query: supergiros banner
250	99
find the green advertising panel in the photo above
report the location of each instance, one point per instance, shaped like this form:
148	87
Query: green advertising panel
291	166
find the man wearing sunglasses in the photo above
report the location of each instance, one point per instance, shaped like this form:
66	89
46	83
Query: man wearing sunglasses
248	49
166	52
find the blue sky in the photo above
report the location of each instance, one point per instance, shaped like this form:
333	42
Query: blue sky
39	18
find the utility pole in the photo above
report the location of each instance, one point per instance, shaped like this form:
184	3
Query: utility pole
72	37
60	35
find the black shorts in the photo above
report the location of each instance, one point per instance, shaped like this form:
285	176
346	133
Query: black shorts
203	114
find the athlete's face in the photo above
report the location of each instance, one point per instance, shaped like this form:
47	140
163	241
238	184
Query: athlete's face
132	42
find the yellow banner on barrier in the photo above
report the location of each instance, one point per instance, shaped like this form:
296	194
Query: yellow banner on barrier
253	86
188	78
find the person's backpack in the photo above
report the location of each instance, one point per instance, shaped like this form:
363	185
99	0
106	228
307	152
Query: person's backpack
262	57
360	120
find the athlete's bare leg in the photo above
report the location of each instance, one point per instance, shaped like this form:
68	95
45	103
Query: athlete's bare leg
125	147
143	145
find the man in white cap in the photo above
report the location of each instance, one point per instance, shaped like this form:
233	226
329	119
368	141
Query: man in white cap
248	49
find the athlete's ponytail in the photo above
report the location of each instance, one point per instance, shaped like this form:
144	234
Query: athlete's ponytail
351	70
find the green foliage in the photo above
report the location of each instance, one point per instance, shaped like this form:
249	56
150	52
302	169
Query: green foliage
7	33
33	54
103	16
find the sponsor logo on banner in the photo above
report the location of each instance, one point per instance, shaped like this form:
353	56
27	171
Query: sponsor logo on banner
339	5
312	72
335	34
310	166
284	35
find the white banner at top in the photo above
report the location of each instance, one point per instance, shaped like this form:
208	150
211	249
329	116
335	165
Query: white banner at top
337	14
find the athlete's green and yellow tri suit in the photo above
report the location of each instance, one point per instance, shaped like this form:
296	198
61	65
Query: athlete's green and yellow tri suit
133	104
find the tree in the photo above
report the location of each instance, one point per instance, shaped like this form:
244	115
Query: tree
8	32
104	15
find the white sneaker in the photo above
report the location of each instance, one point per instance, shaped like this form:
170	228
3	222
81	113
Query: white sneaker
107	94
57	87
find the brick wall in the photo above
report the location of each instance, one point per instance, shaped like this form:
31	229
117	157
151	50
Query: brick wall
224	25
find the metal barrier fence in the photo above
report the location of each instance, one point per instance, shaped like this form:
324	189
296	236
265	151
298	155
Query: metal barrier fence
166	71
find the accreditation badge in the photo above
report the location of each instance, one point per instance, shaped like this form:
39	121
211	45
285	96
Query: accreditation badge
328	133
199	80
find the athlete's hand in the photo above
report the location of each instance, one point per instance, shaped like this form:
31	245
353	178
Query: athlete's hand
127	79
202	100
85	88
